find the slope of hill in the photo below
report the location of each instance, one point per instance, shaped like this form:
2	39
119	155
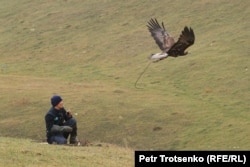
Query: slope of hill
92	52
21	152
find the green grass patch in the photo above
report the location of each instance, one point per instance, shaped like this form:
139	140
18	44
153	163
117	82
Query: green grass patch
91	53
24	152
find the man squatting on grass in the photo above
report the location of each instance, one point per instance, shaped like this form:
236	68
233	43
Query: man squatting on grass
60	123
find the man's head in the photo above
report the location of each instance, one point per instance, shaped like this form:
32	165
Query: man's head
56	101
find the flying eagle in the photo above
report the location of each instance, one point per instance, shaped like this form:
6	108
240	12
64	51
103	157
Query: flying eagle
167	44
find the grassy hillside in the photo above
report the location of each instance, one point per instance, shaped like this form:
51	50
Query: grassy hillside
20	152
92	52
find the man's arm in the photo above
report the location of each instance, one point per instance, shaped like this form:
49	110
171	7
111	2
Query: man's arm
67	114
49	119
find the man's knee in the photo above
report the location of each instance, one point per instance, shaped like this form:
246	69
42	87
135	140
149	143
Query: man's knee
71	122
66	129
60	129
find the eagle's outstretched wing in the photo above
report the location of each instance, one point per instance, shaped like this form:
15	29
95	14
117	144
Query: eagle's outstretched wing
160	35
185	40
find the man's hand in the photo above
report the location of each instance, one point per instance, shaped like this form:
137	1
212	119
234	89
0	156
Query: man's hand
69	114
